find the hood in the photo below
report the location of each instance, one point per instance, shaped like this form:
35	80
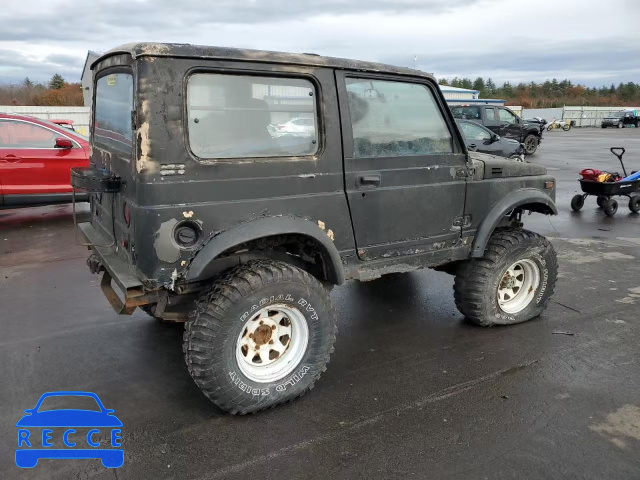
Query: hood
490	166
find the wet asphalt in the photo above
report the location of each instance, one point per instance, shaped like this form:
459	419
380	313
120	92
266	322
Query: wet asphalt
412	390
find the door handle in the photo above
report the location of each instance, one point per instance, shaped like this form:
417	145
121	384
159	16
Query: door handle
372	180
11	158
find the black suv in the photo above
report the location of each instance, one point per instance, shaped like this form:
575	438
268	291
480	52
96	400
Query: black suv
503	122
620	119
210	205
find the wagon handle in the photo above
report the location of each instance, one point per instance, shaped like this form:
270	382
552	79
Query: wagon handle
613	150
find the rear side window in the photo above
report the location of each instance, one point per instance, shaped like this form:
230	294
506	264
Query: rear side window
490	113
393	119
467	113
114	104
239	116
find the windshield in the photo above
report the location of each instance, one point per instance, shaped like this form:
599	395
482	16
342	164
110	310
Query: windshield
66	402
616	114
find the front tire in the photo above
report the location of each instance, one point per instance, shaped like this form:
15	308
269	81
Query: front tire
634	204
620	125
511	283
261	336
530	144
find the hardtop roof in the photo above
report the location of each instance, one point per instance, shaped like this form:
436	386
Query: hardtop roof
137	50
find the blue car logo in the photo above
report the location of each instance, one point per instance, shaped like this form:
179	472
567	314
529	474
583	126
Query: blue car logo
40	428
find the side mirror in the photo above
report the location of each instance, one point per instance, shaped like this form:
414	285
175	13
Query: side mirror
63	143
495	138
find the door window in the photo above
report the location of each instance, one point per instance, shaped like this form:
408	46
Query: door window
114	104
15	134
239	116
506	116
472	131
393	119
490	113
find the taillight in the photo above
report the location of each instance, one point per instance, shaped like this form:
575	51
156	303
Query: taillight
126	213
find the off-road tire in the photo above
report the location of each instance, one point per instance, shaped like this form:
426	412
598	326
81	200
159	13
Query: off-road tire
601	200
476	287
531	143
610	207
212	333
566	128
577	202
634	203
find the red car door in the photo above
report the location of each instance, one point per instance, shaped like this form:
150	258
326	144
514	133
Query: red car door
30	163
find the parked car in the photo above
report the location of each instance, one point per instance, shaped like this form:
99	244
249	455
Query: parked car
297	127
36	157
481	139
503	122
620	119
205	217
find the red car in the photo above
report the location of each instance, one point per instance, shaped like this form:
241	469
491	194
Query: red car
36	157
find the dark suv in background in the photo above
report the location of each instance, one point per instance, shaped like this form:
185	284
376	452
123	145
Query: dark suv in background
503	122
620	119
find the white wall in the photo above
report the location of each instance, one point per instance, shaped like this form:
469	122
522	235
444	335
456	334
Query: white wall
79	115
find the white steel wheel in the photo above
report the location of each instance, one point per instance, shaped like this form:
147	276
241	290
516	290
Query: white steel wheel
518	286
272	343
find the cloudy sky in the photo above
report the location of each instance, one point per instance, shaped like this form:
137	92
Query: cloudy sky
593	42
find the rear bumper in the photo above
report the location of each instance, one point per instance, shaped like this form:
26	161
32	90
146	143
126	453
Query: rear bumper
115	268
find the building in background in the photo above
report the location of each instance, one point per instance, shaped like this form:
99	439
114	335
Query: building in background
464	96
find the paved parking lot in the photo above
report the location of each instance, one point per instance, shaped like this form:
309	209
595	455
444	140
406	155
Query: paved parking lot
412	390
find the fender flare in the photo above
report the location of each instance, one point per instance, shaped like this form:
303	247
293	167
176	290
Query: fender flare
266	227
504	206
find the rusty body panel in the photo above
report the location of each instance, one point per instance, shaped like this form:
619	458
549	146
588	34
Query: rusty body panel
312	208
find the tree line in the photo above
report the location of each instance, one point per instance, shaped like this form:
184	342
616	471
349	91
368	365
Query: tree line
552	93
57	92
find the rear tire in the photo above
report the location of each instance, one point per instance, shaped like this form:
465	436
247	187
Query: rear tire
634	204
577	202
531	144
234	342
601	200
516	261
566	128
610	207
620	125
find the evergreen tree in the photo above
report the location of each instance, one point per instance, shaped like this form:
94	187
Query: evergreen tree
491	87
27	83
478	84
56	82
